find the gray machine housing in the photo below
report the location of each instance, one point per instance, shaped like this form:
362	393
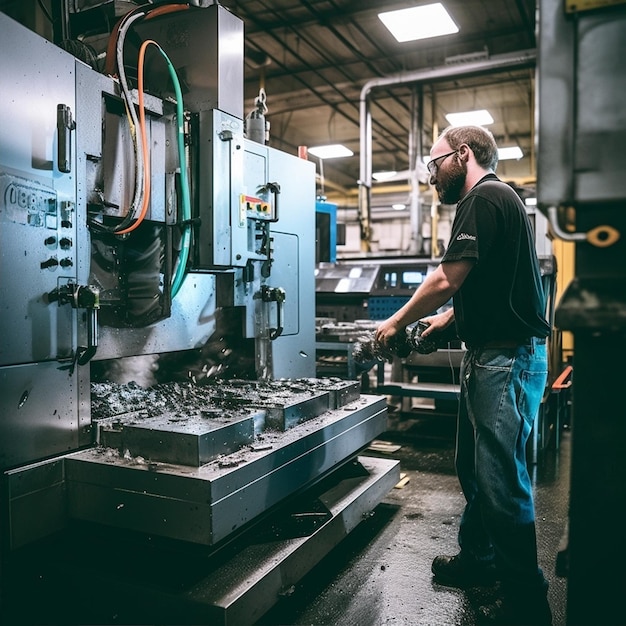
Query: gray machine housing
74	295
45	243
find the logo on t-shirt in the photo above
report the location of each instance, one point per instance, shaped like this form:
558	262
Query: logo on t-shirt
466	236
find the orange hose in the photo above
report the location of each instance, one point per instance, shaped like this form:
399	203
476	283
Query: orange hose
110	69
110	63
166	8
144	141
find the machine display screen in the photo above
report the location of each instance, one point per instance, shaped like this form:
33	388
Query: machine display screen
412	279
403	279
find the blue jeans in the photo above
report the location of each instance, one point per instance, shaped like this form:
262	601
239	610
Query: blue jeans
501	391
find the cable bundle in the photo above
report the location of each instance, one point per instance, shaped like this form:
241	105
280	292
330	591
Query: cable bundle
141	197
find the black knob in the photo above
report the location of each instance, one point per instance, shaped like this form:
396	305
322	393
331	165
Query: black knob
49	263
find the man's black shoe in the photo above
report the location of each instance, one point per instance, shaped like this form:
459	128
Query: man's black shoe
521	613
456	571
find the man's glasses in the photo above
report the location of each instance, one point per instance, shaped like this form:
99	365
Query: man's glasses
432	165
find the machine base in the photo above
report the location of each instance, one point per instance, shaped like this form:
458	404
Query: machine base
92	574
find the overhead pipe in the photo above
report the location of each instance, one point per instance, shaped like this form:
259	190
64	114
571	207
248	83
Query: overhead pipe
415	150
523	58
434	209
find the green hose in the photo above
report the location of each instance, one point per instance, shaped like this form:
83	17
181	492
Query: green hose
179	274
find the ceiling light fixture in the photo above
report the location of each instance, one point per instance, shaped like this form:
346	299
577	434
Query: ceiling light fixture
430	20
332	151
480	117
383	176
513	152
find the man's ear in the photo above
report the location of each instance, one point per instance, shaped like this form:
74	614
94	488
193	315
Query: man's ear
464	152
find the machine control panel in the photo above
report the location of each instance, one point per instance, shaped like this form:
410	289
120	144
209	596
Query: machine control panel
29	203
38	236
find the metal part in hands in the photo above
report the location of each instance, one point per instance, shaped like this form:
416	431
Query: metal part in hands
368	348
423	345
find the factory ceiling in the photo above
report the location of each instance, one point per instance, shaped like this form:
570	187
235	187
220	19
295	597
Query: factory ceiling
313	58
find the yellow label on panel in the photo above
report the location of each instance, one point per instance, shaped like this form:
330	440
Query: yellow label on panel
256	207
574	6
242	210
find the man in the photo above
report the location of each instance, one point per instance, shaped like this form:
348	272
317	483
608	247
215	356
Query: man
491	271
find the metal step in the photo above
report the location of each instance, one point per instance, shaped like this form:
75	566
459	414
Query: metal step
249	585
91	574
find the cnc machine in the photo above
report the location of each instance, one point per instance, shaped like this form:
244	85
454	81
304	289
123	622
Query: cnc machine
141	227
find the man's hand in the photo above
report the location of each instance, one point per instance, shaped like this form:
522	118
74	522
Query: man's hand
437	322
438	287
386	330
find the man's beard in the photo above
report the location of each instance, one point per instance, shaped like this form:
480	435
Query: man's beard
450	184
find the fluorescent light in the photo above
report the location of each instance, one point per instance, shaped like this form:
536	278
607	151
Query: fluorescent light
530	202
513	152
332	151
430	20
382	176
480	117
398	207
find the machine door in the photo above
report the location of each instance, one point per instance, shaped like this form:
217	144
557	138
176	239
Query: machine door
37	196
293	269
44	400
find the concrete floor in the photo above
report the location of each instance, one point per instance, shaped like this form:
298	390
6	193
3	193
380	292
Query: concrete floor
380	574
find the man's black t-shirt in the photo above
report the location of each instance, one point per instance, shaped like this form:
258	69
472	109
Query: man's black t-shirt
502	297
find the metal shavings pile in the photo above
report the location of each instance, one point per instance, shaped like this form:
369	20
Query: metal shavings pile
109	399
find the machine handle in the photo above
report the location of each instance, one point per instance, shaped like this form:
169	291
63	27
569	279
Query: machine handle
275	294
65	126
85	354
81	297
274	189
